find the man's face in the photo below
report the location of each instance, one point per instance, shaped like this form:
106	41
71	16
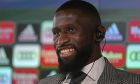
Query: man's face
73	39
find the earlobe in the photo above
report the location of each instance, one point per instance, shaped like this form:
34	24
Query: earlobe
100	33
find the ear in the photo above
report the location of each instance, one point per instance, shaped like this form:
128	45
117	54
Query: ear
100	33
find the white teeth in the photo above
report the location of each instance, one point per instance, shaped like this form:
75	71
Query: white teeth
71	49
67	50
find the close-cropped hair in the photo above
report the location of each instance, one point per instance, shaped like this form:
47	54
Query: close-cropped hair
81	5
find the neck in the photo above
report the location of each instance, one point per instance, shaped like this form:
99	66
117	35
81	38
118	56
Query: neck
96	54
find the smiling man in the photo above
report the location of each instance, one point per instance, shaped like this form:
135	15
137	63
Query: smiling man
77	35
74	43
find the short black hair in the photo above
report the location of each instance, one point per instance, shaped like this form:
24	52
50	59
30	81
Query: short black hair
84	6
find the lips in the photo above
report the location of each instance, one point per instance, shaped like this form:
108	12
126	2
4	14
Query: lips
67	53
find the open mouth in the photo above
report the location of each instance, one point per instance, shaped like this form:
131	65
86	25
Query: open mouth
67	53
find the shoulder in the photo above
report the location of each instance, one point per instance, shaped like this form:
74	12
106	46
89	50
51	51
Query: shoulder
55	79
47	79
111	72
128	77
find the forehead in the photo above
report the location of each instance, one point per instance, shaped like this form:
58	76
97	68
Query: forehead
67	15
69	12
72	15
65	18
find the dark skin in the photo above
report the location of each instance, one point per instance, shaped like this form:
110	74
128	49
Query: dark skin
75	30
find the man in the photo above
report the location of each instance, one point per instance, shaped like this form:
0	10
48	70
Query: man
77	35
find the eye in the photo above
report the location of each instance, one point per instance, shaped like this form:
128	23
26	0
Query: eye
55	32
71	29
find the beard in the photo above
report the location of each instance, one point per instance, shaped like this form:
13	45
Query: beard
79	61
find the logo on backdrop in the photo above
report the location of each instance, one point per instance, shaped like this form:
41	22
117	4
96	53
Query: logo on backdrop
5	75
26	56
133	56
48	56
25	76
28	33
46	32
115	54
115	31
3	57
134	32
6	56
7	33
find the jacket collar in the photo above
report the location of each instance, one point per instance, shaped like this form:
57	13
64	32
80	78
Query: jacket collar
109	75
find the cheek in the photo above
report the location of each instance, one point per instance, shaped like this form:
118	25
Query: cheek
80	42
86	41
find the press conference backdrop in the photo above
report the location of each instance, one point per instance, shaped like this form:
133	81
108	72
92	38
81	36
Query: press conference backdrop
26	46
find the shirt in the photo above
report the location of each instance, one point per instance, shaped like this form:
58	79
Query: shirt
93	71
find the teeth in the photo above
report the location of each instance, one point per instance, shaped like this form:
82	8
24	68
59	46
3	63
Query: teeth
70	49
67	50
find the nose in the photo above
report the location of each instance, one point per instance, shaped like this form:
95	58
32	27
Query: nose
62	40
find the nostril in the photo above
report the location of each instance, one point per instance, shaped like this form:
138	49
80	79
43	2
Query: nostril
62	41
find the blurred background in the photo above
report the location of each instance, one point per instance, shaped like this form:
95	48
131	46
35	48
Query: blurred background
26	46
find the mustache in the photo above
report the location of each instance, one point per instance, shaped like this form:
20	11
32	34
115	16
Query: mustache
59	48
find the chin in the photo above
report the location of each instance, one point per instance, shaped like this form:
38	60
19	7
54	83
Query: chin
72	65
79	58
